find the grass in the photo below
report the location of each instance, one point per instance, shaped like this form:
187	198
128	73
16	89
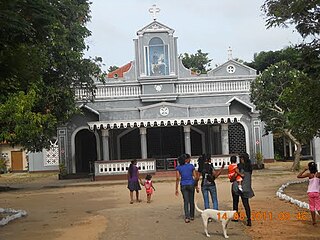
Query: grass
284	165
16	178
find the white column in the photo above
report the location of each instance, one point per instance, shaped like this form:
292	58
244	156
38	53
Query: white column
98	145
105	144
224	139
290	148
143	139
316	150
284	147
215	144
187	139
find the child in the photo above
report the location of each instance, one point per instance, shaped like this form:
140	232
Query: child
233	172
148	186
313	189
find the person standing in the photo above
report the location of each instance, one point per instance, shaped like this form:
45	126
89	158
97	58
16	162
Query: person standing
186	175
313	189
208	185
245	168
133	181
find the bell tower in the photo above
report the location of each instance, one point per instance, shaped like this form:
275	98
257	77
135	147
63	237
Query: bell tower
156	50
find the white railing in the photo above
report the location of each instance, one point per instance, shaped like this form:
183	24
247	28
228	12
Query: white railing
117	91
203	87
121	167
134	90
215	160
118	167
83	94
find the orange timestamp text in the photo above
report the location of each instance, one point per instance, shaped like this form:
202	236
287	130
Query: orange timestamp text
267	216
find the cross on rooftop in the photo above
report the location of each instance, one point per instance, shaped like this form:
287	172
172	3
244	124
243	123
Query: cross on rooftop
154	10
229	53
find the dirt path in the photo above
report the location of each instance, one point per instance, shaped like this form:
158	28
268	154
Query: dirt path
103	212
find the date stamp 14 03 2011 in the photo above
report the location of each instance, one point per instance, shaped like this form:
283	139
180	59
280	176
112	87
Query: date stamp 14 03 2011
268	216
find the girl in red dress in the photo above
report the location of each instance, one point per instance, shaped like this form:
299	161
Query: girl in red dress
148	186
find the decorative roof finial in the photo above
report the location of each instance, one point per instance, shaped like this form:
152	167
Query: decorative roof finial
229	53
154	10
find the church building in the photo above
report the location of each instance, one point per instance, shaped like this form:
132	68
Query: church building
154	109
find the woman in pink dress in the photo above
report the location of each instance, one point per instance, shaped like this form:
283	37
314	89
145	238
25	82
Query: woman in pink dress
313	189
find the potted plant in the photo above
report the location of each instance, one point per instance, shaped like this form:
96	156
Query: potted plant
62	171
3	165
259	158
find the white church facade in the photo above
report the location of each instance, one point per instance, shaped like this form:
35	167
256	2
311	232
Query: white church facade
154	109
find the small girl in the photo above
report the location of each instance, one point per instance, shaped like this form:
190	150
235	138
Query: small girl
148	186
233	172
313	189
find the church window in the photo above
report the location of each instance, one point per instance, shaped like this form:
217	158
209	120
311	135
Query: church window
156	54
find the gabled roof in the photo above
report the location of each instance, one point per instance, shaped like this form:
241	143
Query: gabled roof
89	108
249	70
242	102
118	73
155	27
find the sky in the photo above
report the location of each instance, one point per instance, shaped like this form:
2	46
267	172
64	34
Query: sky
209	25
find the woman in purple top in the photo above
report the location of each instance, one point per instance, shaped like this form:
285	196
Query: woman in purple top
186	175
133	180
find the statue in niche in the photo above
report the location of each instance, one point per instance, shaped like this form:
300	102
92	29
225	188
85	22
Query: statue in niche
158	64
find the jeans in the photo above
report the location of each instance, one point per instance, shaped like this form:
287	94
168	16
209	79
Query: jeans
188	200
245	202
213	192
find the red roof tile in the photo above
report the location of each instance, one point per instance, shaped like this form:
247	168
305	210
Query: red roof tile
118	73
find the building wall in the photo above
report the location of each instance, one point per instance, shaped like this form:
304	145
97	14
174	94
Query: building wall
37	163
6	150
141	96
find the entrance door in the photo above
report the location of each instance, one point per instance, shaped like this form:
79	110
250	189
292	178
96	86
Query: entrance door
165	142
86	150
16	161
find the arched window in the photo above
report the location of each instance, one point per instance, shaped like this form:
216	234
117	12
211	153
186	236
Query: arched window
156	53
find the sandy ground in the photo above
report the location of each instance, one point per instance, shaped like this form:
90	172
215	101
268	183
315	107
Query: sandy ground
80	209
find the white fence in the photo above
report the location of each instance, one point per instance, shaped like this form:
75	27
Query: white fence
215	160
103	168
118	167
135	90
211	87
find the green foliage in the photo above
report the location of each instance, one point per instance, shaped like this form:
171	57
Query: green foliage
263	60
304	14
197	62
278	157
302	95
41	63
3	165
278	145
62	169
112	68
259	158
277	96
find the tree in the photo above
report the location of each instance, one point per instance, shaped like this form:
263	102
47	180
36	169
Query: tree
197	62
112	68
279	96
41	64
263	60
304	14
